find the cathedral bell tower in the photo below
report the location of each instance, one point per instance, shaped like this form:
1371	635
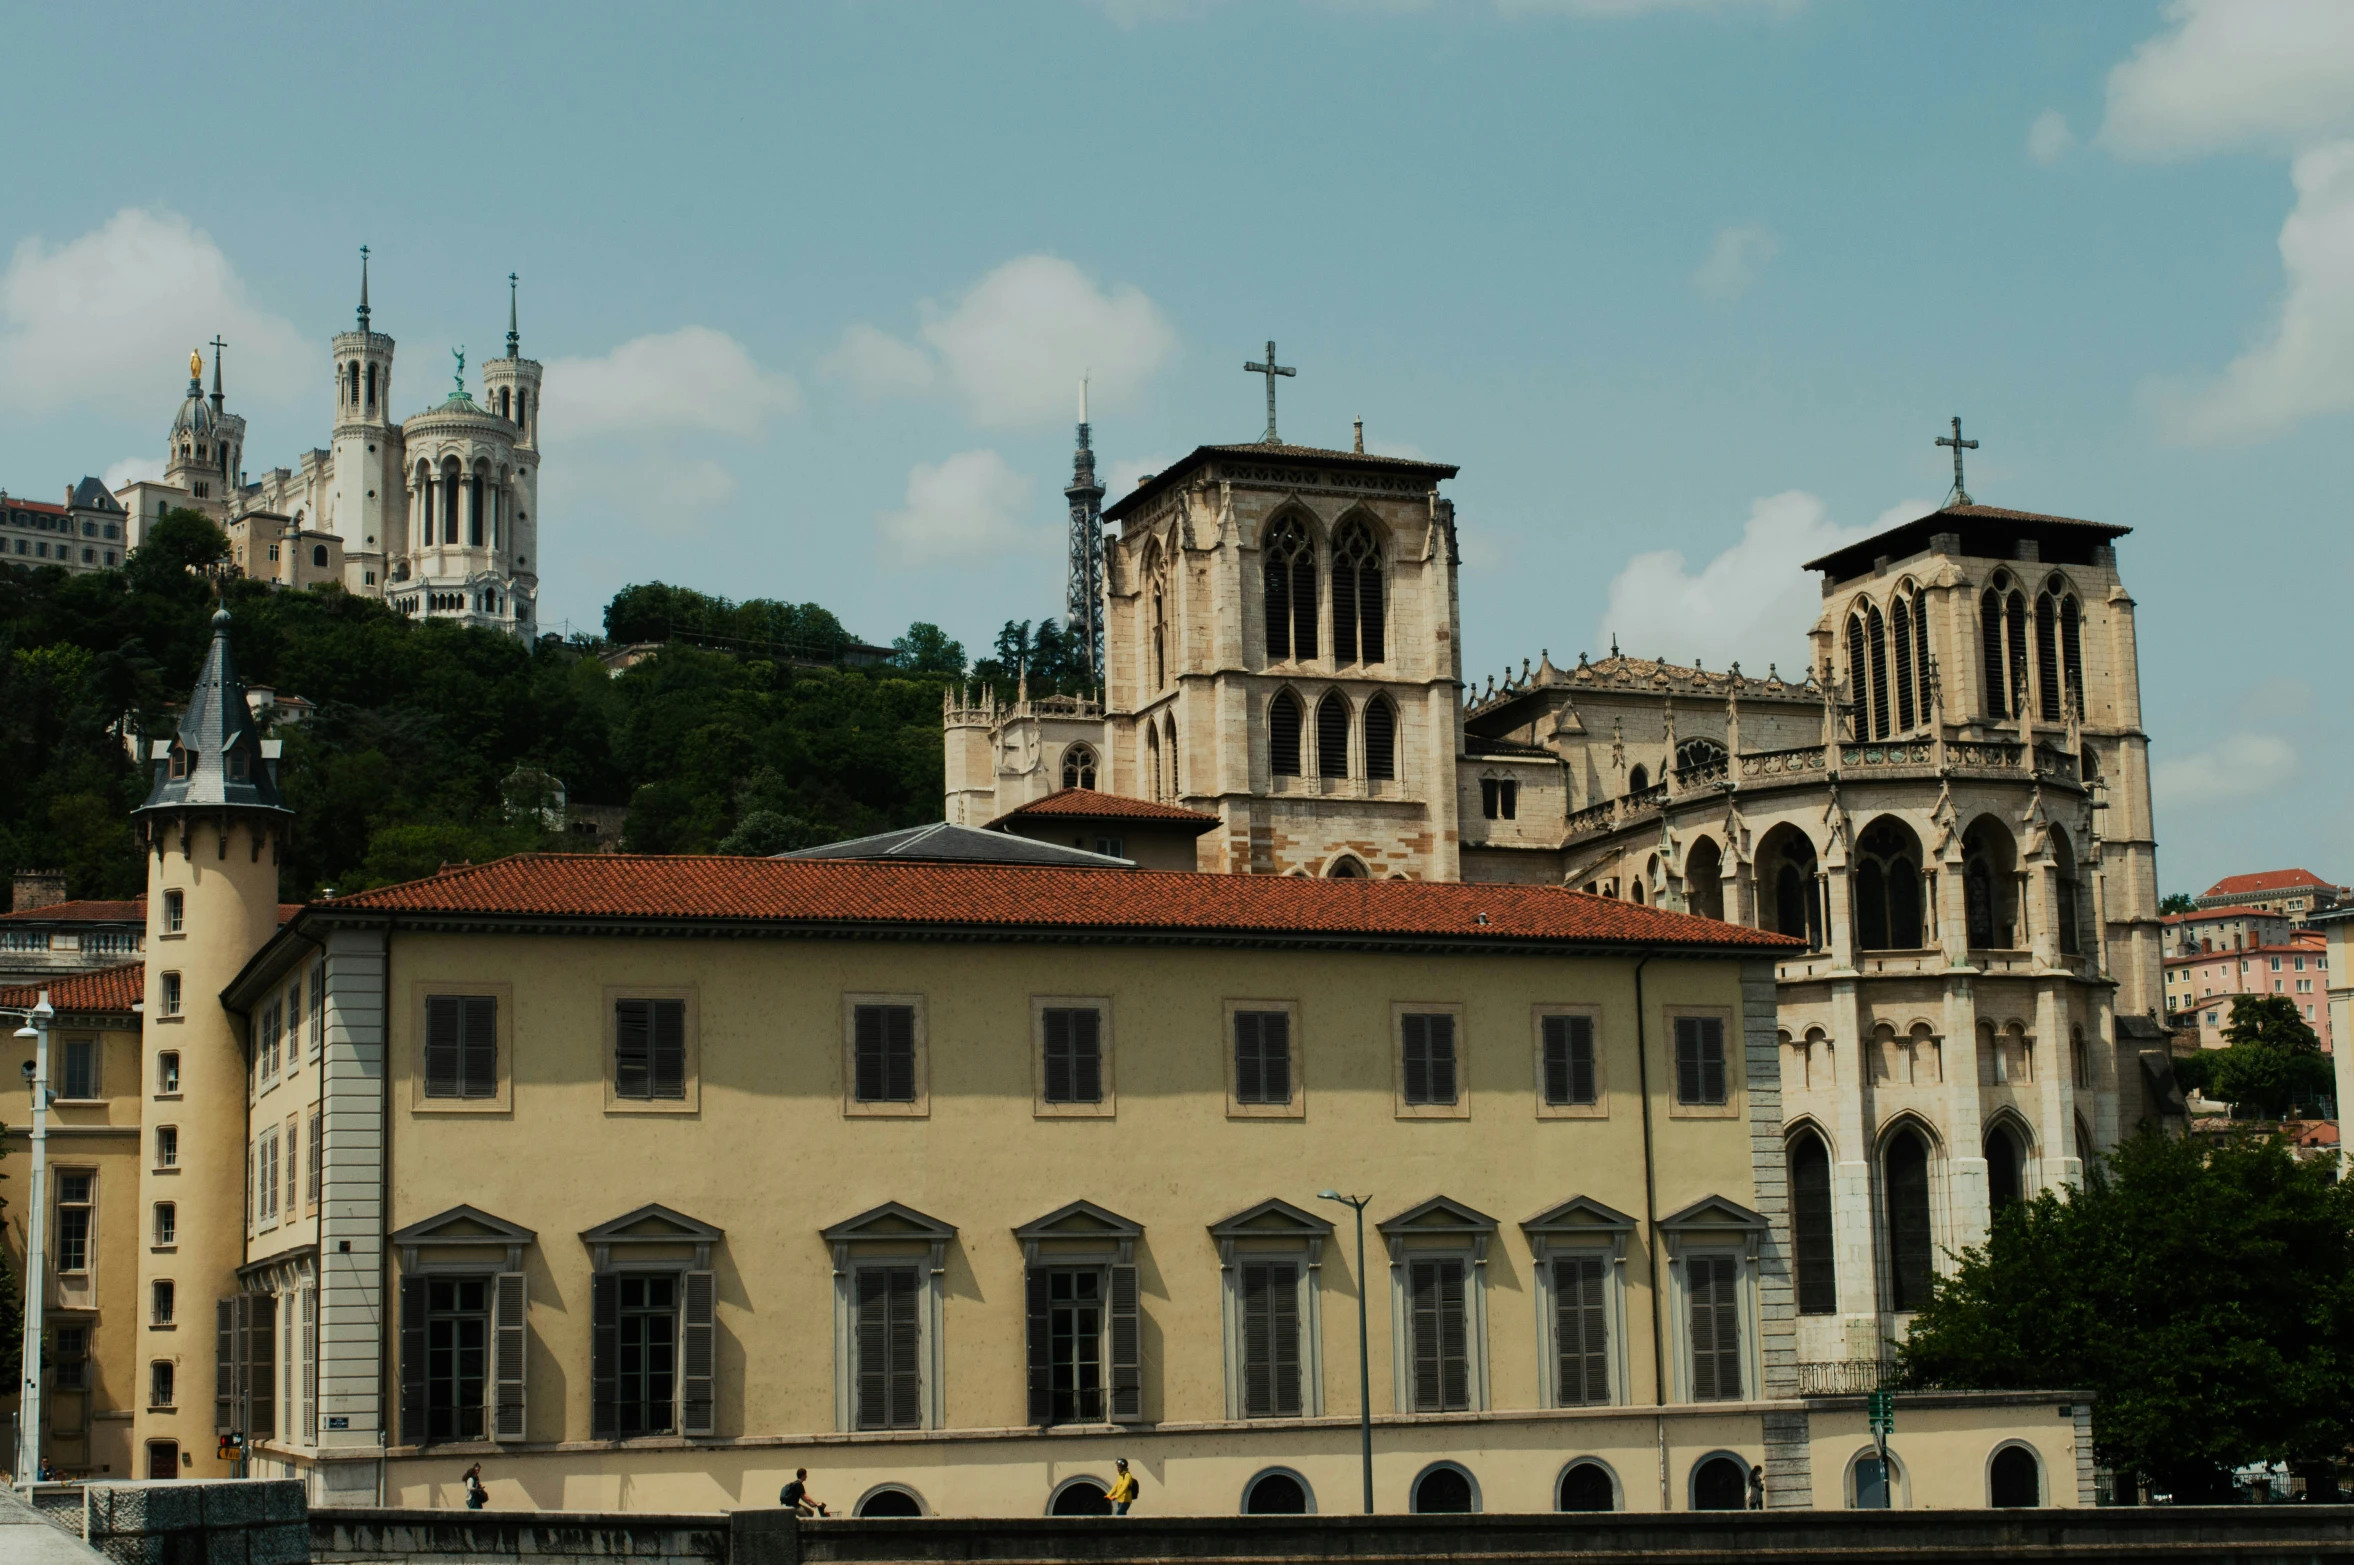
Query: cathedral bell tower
214	827
510	388
369	506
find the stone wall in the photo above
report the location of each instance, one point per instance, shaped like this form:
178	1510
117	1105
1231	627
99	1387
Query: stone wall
172	1522
378	1537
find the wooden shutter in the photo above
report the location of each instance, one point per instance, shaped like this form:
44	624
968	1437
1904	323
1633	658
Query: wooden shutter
225	1343
1442	1059
899	1053
442	1024
1557	1059
1581	1330
902	1346
412	1364
633	1048
1416	1041
1712	1059
310	1365
1716	1328
1127	1367
698	1351
604	1356
1250	1082
509	1345
1057	1062
1035	1285
1275	1056
866	1048
1086	1046
261	1369
1442	1365
1271	1340
481	1063
1582	1086
1688	1060
670	1049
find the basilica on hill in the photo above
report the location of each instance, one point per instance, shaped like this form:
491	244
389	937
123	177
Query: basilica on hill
1947	801
436	514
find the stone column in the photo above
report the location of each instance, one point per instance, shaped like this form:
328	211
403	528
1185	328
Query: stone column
1967	1199
1852	1224
2108	1065
2055	1080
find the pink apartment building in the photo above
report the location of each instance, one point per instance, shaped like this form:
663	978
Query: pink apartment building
2203	973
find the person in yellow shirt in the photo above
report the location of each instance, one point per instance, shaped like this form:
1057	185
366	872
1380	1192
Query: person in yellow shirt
1123	1490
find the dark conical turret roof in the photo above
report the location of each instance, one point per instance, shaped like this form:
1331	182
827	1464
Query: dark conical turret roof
216	759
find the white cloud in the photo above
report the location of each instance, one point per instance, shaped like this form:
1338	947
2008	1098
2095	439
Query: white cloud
1733	261
2049	137
970	504
131	469
1122	476
2236	768
2235	73
107	319
690	379
1015	344
1751	602
2304	364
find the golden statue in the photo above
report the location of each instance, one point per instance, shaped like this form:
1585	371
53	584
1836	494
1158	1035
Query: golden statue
196	364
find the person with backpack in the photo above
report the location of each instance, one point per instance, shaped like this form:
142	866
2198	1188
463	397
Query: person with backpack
1122	1493
795	1496
476	1496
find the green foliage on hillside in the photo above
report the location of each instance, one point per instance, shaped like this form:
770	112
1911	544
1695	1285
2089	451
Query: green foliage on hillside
2271	1065
417	725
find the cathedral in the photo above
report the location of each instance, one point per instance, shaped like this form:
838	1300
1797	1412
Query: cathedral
436	513
1947	801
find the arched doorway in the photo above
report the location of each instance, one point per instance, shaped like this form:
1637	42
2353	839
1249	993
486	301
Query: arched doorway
1080	1497
1277	1493
1720	1483
2014	1479
1444	1490
1587	1486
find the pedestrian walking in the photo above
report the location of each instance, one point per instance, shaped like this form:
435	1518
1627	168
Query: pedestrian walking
476	1496
1123	1490
796	1497
1757	1488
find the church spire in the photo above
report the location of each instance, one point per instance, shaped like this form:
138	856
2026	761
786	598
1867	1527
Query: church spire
514	342
363	288
217	346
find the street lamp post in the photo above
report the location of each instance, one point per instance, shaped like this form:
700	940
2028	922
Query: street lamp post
28	1414
1364	1350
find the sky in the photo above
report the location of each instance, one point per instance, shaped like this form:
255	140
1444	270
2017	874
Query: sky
1686	287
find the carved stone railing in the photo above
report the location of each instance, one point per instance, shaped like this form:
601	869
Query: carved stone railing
1700	776
2055	763
1593	818
1782	763
1839	1377
1887	752
1985	755
1650	798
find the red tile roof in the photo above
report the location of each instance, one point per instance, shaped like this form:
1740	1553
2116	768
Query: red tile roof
105	989
1088	804
2209	915
885	893
2267	880
133	911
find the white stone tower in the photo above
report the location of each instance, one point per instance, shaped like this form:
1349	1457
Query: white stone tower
510	387
368	507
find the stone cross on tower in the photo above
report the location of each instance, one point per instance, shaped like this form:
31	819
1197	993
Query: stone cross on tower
1270	369
1961	496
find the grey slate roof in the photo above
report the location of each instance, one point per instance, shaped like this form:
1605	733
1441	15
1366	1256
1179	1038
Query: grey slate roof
225	765
91	495
946	844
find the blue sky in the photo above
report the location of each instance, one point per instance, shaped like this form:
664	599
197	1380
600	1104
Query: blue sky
1686	287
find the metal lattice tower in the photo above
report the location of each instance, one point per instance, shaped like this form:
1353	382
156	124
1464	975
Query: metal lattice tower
1084	593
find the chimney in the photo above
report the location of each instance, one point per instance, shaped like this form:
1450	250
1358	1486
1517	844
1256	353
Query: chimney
36	888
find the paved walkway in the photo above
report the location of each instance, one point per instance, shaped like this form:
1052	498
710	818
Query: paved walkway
28	1538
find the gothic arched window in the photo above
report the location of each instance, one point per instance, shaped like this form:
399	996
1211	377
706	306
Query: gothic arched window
2002	621
1704	886
1912	1256
1989	886
1283	734
2005	1181
2072	651
1169	724
1356	596
1079	767
1332	736
1793	901
1156	574
1290	570
1888	888
1152	756
1638	778
1900	631
1816	1247
1381	740
2047	656
2064	899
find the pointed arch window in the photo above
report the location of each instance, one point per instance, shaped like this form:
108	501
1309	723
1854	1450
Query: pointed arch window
1867	671
1283	734
1816	1246
1900	627
1152	756
2072	650
1876	629
1381	740
1638	778
1156	570
1169	723
1911	1240
2047	656
1290	572
1888	896
1332	736
1079	767
1357	596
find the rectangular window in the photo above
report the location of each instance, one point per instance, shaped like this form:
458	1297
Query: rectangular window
1712	1288
167	1072
645	1366
159	1384
883	1054
167	1146
461	1046
167	1224
1428	1041
73	1218
160	1305
1569	1061
175	913
2276	964
171	994
81	1068
457	1356
1072	1059
1270	1309
1499	798
268	1050
886	1344
1581	1331
317	1156
1074	1344
293	1164
1440	1345
318	1028
1700	1060
70	1358
1262	1057
650	1050
265	1179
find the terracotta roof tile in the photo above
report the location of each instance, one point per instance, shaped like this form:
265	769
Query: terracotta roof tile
105	989
131	911
2267	880
1000	896
1088	804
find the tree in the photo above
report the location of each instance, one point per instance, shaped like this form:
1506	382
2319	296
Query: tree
2272	1062
2201	1290
2177	902
926	649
